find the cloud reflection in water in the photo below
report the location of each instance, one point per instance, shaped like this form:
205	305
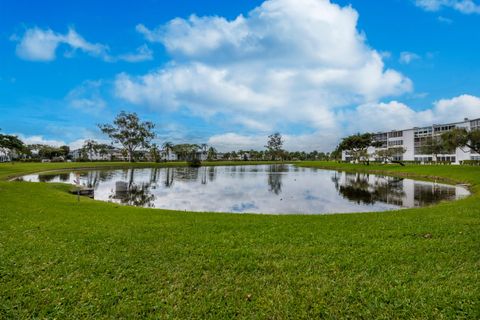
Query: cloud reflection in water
273	189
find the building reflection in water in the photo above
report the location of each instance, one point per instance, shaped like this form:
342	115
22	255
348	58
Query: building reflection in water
364	188
426	194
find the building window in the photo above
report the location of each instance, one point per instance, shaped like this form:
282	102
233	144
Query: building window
395	143
443	128
395	134
475	124
423	132
446	159
381	138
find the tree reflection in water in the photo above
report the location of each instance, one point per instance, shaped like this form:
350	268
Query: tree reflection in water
135	195
64	177
357	187
275	177
265	185
154	175
169	177
46	177
203	176
187	174
132	194
212	173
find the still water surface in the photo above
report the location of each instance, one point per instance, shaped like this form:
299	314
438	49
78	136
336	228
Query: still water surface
274	189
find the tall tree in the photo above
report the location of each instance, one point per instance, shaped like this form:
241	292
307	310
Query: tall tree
390	154
89	149
45	151
65	150
168	147
185	151
12	144
357	146
434	146
336	154
130	132
92	147
274	145
155	153
204	147
461	138
211	153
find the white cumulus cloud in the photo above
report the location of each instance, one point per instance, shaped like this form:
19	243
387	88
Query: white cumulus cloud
143	53
463	6
396	115
286	62
38	44
371	117
39	139
41	45
407	57
231	141
87	97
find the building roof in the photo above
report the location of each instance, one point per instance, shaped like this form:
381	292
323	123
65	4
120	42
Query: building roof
433	125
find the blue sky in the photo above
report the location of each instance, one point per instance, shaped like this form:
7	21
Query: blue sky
229	73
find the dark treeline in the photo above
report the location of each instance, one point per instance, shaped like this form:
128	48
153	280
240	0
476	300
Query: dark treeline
256	155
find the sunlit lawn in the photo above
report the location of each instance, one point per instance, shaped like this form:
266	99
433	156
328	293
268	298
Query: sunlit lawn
63	259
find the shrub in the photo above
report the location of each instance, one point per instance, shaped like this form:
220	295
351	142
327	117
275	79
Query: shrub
471	162
195	163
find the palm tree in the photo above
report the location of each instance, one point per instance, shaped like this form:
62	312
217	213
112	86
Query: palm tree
89	148
204	147
154	153
212	153
168	146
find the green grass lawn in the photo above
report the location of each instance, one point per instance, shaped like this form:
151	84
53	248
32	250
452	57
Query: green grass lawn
63	259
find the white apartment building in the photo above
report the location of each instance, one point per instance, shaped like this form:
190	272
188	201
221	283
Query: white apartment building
413	140
92	156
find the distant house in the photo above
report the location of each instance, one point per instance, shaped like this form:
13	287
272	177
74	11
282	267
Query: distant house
142	155
198	154
75	155
117	155
244	156
202	155
168	156
110	155
5	155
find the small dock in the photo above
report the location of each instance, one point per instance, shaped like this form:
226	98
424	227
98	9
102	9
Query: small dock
85	192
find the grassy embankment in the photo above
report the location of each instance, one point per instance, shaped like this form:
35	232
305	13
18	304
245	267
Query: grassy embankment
63	259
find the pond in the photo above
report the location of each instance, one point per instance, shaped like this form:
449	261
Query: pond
270	189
